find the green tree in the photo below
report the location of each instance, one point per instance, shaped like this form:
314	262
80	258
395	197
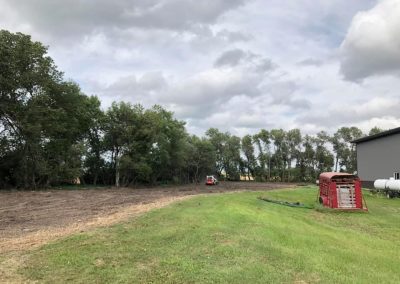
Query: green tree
168	147
264	142
375	130
324	158
95	163
307	159
219	141
248	151
121	122
278	159
344	150
43	119
201	158
233	162
293	138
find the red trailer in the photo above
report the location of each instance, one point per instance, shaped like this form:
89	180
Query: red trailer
340	191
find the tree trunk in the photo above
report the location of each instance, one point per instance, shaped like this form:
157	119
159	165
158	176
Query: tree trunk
197	174
95	178
336	163
33	181
117	169
117	175
26	184
269	169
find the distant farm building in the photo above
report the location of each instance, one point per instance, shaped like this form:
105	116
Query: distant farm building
243	178
378	156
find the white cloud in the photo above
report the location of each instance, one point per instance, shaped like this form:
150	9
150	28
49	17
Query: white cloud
372	43
79	17
230	58
310	62
233	36
385	122
353	113
144	89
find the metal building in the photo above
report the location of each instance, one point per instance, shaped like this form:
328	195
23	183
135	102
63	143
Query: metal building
378	156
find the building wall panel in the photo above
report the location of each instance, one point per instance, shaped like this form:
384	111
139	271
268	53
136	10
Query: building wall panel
378	158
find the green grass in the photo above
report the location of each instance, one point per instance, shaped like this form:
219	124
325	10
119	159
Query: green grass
233	238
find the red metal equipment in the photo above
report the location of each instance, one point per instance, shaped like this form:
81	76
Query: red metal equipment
340	191
211	180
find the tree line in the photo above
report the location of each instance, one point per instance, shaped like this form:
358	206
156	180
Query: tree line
51	134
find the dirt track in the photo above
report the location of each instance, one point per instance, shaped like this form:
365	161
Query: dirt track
31	218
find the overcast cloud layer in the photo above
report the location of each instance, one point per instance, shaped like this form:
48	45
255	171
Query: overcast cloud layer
233	64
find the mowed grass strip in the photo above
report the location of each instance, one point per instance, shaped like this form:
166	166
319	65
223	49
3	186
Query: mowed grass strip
233	238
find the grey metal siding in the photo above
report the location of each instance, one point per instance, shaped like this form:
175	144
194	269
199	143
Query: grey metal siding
378	158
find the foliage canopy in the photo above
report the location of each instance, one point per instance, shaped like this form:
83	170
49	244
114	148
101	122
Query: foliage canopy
51	133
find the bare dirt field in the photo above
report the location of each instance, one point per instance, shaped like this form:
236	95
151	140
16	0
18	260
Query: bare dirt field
31	218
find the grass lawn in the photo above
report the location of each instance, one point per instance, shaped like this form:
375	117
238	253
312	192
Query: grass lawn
233	238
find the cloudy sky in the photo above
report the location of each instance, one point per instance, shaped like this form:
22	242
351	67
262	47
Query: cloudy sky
233	64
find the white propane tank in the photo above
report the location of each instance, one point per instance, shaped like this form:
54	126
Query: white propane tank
393	184
380	183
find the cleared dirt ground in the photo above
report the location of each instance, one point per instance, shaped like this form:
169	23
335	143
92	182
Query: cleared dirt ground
31	218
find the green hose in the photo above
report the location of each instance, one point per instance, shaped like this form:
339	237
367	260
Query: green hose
286	203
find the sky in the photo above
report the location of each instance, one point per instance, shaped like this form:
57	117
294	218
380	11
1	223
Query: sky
232	64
